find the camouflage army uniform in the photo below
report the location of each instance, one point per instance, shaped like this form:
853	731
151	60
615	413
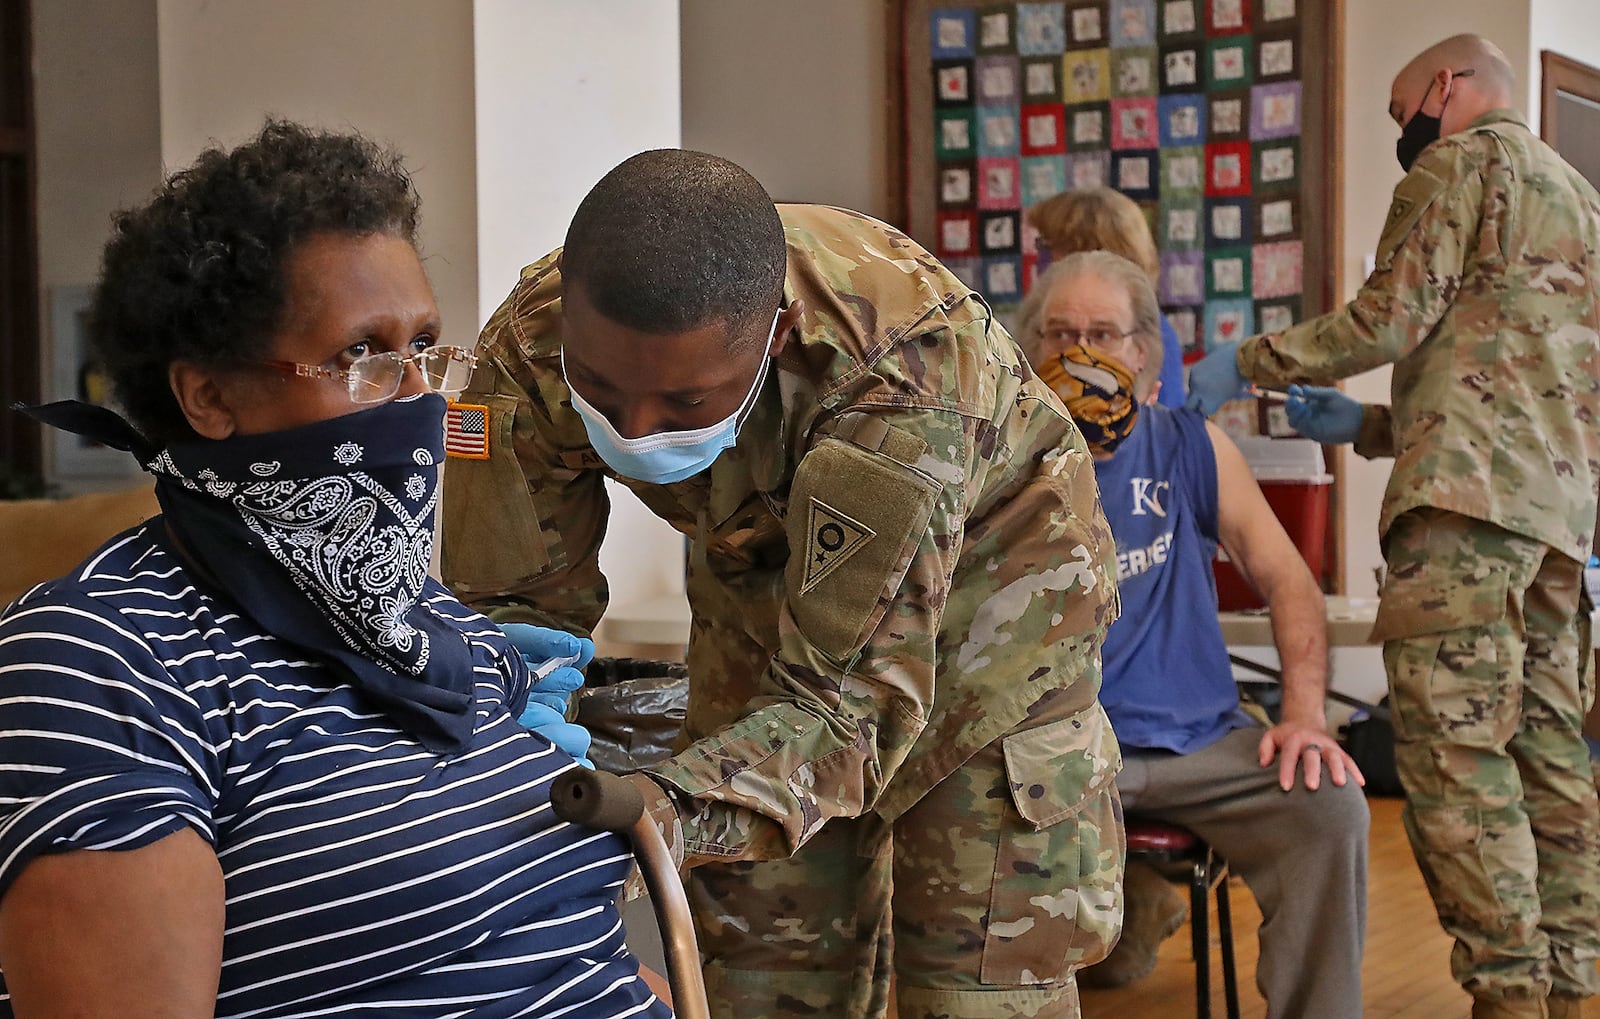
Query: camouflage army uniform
1484	299
900	579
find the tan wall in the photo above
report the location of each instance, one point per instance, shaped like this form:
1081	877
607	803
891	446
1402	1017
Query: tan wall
797	93
399	71
97	119
1568	27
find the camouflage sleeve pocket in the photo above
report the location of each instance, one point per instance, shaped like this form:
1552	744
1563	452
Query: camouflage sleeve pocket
855	521
1056	768
1416	192
491	537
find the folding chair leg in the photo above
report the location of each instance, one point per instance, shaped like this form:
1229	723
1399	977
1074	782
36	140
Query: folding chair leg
1200	937
1230	982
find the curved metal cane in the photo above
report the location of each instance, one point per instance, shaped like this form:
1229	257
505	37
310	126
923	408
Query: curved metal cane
598	799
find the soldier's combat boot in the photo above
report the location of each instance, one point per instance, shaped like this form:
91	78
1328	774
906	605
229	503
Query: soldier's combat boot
1510	1008
1563	1007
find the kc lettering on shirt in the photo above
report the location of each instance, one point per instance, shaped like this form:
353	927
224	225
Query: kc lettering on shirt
1148	494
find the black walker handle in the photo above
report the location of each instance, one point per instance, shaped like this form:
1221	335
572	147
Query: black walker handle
598	799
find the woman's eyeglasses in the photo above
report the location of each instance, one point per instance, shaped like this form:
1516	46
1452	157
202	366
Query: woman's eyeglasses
1094	336
445	370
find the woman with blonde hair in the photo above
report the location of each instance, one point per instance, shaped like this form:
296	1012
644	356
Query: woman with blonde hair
1100	219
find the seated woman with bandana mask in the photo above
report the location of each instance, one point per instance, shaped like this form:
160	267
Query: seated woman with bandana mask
1173	486
253	759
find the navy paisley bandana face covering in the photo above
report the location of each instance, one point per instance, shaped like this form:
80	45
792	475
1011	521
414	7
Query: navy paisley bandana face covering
323	535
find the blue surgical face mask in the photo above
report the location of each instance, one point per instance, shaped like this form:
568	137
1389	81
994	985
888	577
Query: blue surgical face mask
665	457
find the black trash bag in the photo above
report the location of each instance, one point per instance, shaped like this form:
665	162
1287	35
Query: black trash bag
1369	740
633	709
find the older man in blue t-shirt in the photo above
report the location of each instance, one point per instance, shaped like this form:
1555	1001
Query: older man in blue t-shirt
1173	487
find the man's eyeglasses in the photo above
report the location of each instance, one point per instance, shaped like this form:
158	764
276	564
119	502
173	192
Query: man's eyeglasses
445	370
1465	72
1094	336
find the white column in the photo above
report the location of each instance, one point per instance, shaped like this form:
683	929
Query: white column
565	90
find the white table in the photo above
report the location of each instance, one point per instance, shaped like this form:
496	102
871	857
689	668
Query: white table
665	620
1349	624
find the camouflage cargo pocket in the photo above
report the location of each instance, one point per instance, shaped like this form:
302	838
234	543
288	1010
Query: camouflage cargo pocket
1447	660
1056	901
1442	622
1439	578
1462	875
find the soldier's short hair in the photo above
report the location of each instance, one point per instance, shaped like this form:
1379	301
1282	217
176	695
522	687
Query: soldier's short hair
673	240
1116	271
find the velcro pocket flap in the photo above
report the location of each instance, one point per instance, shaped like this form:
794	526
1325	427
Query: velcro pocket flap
854	522
1428	601
1058	767
491	538
1420	189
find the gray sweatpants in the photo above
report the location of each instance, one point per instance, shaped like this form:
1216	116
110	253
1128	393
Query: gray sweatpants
1303	855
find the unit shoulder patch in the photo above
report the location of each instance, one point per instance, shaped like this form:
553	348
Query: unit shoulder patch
832	538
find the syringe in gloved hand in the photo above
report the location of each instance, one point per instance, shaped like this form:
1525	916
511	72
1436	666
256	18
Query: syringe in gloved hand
550	665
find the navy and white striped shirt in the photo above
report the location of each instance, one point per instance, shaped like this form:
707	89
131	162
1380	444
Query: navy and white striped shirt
365	875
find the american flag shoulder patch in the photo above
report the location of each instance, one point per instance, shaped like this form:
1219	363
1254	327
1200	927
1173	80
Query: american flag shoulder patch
466	431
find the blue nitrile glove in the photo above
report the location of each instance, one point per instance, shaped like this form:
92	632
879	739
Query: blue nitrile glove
553	726
1215	379
561	655
1323	414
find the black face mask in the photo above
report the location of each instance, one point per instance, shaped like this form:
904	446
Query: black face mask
1420	132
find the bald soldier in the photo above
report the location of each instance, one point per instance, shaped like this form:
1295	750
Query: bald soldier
1484	299
900	579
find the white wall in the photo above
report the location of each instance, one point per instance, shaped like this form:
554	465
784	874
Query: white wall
566	89
399	71
563	95
1568	27
796	93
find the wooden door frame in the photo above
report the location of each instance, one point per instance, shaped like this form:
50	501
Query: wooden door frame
1558	73
20	381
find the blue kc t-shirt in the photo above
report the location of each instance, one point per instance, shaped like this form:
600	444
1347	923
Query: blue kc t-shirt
1168	683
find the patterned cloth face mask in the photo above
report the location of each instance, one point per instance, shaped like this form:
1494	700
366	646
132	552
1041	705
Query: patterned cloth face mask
1097	391
322	535
662	458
